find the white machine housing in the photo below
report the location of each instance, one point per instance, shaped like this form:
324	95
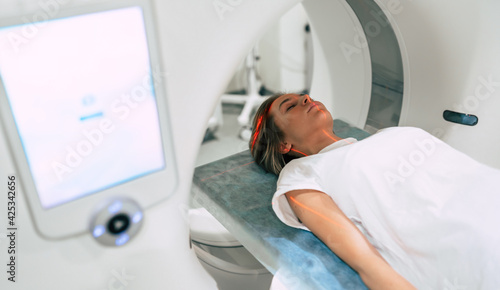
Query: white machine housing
450	59
149	188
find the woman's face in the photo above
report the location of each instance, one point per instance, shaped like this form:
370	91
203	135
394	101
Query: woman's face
299	117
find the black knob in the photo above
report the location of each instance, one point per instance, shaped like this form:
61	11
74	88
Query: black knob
118	224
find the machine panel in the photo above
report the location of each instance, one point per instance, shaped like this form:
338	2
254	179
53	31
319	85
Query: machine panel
86	114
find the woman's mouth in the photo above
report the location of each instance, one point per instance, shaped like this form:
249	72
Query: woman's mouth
311	106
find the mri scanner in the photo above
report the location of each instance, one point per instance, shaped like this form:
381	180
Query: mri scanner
104	106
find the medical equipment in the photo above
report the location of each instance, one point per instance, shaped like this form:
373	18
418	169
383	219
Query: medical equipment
252	99
85	115
445	63
98	130
223	256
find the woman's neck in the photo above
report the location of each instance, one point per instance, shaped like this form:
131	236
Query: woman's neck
316	144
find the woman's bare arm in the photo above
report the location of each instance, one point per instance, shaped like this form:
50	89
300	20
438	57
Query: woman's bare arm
319	213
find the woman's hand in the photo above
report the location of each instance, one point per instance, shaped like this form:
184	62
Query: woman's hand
319	213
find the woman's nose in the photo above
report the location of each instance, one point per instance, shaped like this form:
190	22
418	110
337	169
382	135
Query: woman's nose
305	99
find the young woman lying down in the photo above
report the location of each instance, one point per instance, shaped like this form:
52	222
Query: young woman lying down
401	207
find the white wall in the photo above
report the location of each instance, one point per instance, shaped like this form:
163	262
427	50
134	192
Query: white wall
282	51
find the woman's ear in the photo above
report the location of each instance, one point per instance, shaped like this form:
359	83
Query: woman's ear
285	147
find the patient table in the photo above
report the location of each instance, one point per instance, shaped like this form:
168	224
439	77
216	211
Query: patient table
238	193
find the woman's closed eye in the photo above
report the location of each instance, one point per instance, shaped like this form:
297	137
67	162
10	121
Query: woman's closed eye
290	107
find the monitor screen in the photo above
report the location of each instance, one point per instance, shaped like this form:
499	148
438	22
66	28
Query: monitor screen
81	93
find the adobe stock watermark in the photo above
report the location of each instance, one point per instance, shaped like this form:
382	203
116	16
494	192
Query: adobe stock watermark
409	164
48	9
372	29
119	281
222	7
93	138
485	88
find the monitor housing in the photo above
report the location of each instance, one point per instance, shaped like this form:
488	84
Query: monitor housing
83	106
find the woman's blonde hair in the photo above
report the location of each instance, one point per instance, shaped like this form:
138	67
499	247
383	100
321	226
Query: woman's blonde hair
267	138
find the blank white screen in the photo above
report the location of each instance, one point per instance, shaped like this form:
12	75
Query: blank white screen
81	93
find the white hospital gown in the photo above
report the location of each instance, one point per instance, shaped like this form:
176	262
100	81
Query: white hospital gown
431	211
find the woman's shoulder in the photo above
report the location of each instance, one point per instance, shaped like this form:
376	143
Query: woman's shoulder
301	162
302	165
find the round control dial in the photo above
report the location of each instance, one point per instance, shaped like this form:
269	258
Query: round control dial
116	222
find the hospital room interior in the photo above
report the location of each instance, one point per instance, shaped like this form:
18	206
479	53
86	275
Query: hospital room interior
127	129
